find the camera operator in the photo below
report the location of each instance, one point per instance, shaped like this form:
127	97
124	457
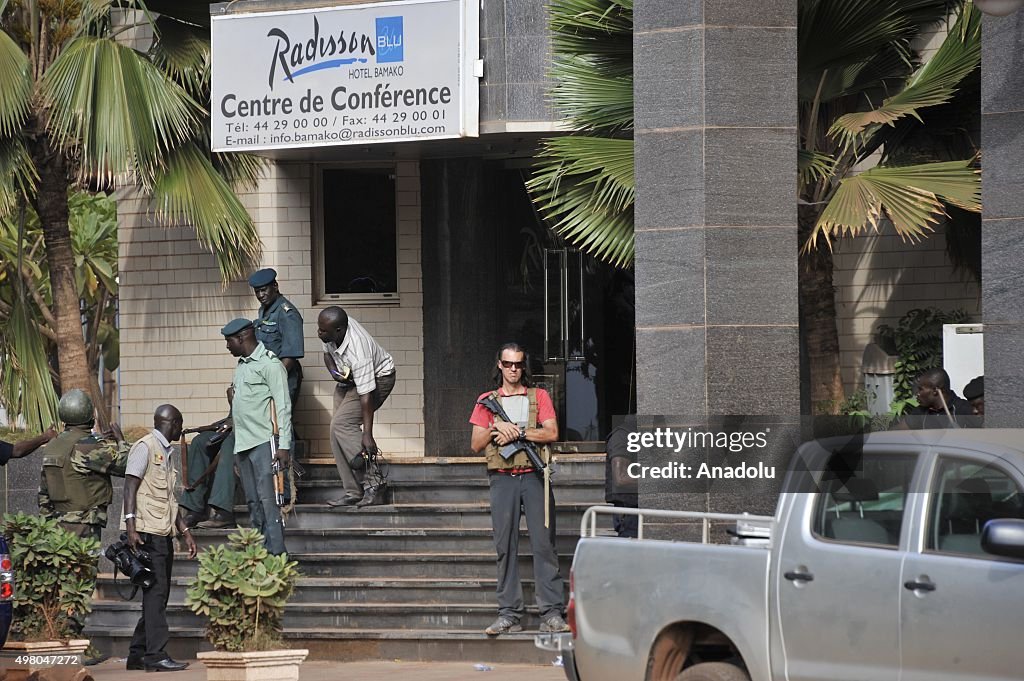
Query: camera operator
150	514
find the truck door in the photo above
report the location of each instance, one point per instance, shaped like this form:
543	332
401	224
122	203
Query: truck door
961	607
836	578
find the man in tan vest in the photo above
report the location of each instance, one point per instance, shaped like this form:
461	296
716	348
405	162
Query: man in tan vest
150	515
516	485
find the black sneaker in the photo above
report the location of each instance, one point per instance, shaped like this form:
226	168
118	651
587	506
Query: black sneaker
503	625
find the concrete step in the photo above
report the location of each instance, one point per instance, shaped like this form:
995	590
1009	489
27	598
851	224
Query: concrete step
449	491
346	645
478	514
324	616
396	565
353	590
391	539
446	469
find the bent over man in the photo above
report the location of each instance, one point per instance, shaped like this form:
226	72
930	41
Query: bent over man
150	516
365	376
515	485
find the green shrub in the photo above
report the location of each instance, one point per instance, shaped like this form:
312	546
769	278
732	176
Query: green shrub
54	577
241	589
917	341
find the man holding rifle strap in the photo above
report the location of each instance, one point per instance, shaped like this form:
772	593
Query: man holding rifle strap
523	416
260	400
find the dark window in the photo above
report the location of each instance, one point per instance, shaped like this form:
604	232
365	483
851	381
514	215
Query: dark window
863	502
968	495
359	255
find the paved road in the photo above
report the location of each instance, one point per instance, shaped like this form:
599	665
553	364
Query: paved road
113	670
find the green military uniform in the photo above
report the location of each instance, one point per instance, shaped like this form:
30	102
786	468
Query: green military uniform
75	486
279	328
220	491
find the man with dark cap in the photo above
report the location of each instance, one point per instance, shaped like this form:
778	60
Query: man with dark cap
938	406
260	399
279	326
974	392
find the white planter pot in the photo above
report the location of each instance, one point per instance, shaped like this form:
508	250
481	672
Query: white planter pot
268	665
36	655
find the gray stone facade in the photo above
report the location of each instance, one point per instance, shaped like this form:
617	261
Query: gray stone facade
1002	138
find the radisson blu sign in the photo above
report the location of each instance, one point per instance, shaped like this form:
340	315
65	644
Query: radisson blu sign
357	74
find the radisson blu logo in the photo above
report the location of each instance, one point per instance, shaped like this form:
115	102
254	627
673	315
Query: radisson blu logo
316	51
390	41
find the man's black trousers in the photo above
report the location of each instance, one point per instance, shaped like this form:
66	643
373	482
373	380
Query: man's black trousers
151	633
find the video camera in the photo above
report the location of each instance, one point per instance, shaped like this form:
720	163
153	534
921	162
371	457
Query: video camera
137	566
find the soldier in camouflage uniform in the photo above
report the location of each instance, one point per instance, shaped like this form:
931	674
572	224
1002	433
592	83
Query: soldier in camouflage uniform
75	485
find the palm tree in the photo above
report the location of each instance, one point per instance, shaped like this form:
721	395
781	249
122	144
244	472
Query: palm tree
80	109
851	53
27	325
583	183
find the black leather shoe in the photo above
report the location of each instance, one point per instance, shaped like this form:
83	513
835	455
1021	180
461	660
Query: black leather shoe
218	520
166	665
134	663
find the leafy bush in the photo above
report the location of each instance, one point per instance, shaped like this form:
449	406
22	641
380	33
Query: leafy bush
241	589
917	341
54	577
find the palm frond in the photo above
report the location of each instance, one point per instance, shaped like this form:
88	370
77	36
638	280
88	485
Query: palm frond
26	387
20	173
115	107
189	189
584	187
911	197
590	96
814	166
600	28
184	54
934	83
15	85
835	34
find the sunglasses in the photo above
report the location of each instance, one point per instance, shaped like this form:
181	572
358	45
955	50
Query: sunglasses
512	365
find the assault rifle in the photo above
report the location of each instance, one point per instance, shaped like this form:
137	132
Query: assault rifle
507	451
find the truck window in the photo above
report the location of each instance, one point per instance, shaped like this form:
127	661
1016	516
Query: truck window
862	501
967	495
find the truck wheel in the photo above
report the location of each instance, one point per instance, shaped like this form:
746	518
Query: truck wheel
713	671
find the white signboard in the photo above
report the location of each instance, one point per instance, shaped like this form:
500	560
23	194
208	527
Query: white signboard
358	74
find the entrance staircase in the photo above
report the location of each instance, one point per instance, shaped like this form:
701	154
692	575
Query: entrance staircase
411	580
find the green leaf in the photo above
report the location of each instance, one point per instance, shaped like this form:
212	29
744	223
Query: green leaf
934	83
115	108
910	196
190	190
20	175
15	86
591	95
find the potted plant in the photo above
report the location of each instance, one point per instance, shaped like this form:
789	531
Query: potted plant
242	589
54	578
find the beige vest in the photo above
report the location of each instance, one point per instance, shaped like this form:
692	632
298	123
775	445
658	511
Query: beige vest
155	507
519	459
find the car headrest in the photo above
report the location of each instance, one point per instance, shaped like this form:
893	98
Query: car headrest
854	489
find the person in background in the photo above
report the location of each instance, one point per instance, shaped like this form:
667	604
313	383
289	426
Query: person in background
974	392
619	488
17	450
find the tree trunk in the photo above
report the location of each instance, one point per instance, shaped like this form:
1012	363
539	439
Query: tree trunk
818	322
51	203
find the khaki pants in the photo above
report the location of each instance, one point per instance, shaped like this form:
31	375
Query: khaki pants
347	430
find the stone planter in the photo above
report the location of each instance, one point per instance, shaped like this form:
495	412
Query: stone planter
268	665
37	655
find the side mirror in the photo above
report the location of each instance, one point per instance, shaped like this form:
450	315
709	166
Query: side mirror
1004	537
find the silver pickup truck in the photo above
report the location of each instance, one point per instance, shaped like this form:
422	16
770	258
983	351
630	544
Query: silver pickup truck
901	562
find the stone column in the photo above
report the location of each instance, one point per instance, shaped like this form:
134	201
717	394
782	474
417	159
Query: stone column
716	216
1002	185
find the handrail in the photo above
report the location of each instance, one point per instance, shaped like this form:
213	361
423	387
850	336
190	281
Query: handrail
589	520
